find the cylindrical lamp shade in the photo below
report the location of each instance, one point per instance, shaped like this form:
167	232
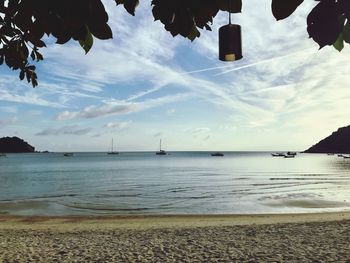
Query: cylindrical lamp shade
230	43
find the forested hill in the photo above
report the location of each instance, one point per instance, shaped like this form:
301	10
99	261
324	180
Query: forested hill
15	145
338	142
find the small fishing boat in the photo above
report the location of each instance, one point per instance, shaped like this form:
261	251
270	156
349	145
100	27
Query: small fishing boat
218	154
68	154
277	154
292	153
346	156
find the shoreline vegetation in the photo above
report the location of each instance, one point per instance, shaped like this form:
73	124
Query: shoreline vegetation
321	237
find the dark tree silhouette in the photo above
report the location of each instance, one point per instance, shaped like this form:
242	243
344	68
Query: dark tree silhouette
23	23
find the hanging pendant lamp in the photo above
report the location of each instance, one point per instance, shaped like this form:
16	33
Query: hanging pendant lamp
230	41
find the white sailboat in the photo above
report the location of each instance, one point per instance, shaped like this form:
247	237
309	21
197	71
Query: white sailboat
161	152
112	150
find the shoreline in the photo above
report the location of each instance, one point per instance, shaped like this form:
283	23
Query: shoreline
164	221
321	237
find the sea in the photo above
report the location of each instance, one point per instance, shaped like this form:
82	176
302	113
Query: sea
142	183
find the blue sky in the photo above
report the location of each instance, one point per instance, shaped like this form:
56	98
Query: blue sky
144	85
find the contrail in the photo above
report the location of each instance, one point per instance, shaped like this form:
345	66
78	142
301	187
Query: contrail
204	70
152	90
243	67
263	61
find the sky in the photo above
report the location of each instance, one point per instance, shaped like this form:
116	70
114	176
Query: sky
144	85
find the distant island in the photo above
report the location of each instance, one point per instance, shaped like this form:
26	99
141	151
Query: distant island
338	142
15	145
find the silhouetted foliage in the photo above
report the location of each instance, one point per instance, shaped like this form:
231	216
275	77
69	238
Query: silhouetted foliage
23	23
281	9
26	21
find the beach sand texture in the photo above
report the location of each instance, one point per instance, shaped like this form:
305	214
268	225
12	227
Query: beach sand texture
259	238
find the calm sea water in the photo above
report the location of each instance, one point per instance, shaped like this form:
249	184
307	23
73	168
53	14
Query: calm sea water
179	183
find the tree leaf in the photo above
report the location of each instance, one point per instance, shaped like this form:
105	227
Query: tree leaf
325	23
339	44
281	9
88	42
129	5
32	55
346	32
194	33
21	75
101	31
38	56
38	43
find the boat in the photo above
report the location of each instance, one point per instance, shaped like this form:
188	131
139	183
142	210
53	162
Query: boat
346	156
292	153
277	154
112	151
217	154
68	154
288	156
161	152
340	155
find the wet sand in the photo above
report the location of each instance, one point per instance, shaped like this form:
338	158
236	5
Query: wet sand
323	237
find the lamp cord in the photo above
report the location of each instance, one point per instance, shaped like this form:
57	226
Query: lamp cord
229	11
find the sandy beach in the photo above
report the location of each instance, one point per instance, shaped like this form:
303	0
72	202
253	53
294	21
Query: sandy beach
199	238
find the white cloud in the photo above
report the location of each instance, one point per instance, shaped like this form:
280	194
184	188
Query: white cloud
117	125
28	97
171	111
8	122
8	109
92	112
112	108
66	130
158	134
207	138
199	130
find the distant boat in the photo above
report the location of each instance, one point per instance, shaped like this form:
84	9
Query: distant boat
346	156
292	153
68	154
288	156
340	155
277	154
112	150
217	154
161	152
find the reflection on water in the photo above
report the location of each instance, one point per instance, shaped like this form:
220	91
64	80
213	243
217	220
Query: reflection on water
180	183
